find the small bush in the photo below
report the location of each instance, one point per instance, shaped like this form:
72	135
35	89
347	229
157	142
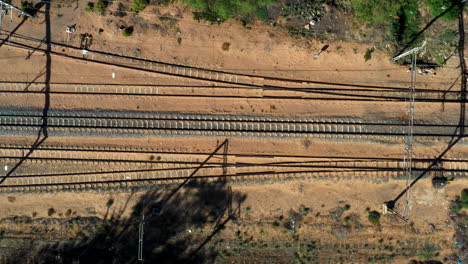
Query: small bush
456	207
68	212
374	217
465	205
100	7
305	210
127	32
26	6
346	207
109	203
89	7
11	199
226	46
368	54
120	12
464	195
51	211
139	5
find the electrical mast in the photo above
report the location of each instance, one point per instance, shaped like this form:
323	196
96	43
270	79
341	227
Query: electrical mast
409	139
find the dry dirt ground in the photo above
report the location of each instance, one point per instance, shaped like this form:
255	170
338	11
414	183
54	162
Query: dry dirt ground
259	230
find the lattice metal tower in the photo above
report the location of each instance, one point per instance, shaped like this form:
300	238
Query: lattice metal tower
409	139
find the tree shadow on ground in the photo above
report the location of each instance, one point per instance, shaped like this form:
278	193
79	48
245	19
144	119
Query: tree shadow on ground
171	230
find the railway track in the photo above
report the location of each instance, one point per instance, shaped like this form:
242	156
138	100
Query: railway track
213	125
268	85
126	153
73	168
140	178
20	88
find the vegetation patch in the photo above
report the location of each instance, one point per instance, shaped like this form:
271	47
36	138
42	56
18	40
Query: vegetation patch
368	54
400	18
428	252
100	7
127	32
51	211
460	202
374	217
139	5
226	46
448	9
26	6
89	7
217	11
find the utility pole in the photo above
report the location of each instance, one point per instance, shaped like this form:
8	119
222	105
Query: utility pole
12	7
4	7
140	238
160	210
2	14
409	139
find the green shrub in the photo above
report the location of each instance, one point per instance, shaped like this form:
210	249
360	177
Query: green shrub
139	5
100	7
109	203
50	211
127	32
368	54
439	6
346	207
374	217
464	195
89	7
456	207
26	6
465	205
